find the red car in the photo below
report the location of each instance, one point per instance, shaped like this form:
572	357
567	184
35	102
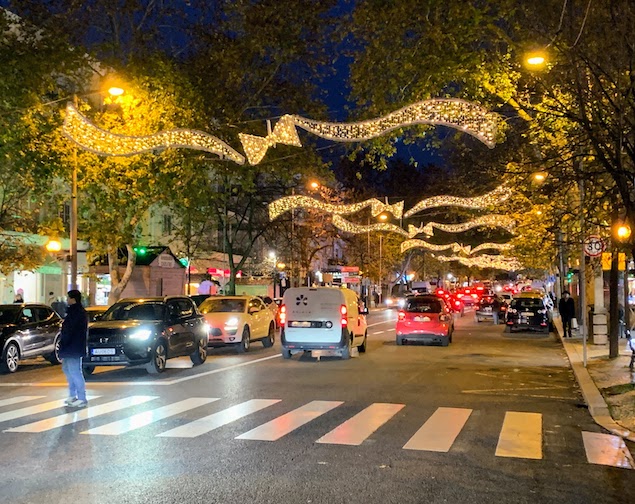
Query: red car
425	318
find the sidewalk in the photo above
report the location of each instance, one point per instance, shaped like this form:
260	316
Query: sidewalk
607	384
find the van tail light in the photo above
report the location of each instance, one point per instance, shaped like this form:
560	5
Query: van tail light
401	315
343	316
457	303
283	315
475	296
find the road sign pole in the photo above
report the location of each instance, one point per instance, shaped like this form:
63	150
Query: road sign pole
583	315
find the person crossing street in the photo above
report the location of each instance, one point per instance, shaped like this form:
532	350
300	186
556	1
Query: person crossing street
73	349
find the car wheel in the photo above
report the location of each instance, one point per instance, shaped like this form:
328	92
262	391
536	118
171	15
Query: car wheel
10	359
399	341
245	342
271	337
286	354
88	370
450	336
54	357
159	359
362	348
446	341
200	355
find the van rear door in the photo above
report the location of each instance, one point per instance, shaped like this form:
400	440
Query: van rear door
313	315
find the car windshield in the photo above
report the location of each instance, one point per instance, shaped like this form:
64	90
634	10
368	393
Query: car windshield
423	305
9	314
222	306
133	310
527	303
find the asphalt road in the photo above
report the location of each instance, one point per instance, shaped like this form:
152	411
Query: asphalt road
500	415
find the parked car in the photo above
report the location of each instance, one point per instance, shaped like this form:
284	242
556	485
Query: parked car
527	312
28	330
322	318
199	298
95	312
147	331
484	309
238	320
424	318
273	306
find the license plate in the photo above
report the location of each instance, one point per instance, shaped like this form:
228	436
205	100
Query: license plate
296	323
103	351
527	314
422	319
487	310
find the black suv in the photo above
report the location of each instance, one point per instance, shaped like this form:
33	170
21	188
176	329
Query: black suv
527	312
28	330
147	331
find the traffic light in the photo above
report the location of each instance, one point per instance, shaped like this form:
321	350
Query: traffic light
140	250
569	275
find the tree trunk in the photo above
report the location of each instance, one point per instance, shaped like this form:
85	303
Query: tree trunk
116	285
614	329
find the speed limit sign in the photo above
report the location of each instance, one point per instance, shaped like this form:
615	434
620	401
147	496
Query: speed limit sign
594	246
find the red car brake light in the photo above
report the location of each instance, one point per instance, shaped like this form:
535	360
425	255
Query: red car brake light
343	316
401	315
282	315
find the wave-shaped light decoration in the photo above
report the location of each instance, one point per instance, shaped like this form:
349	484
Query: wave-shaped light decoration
94	139
351	227
486	261
287	203
501	221
455	247
498	195
453	113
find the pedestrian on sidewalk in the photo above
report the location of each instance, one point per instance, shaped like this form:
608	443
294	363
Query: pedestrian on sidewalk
566	308
630	345
73	349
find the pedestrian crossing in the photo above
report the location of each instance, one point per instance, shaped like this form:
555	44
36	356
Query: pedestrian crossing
521	435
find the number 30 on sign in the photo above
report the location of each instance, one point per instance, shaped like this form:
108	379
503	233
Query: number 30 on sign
594	246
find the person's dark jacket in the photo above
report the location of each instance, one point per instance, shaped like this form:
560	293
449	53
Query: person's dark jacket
74	330
566	308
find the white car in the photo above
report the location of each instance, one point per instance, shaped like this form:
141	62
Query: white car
237	321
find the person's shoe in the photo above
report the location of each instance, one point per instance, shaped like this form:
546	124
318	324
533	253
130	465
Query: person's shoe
78	403
70	400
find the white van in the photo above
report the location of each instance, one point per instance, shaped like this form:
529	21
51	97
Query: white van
322	318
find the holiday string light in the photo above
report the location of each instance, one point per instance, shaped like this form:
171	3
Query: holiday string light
498	195
454	247
454	113
91	138
256	147
351	227
288	203
486	220
486	261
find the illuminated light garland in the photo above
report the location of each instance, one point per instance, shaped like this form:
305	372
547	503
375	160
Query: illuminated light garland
498	195
454	247
256	147
288	203
454	113
486	220
491	246
91	138
351	227
486	261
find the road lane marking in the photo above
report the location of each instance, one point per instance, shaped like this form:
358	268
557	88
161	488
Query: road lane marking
19	399
281	426
440	430
83	414
216	420
147	417
354	431
34	410
379	332
145	383
605	449
521	436
392	321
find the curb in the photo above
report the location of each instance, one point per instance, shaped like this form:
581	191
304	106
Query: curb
595	401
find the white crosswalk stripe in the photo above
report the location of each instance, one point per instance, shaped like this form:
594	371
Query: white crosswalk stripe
520	436
361	426
84	414
211	422
440	430
147	417
281	426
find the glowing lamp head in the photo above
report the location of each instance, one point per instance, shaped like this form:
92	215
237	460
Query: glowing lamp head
623	232
115	91
383	217
53	246
314	185
536	60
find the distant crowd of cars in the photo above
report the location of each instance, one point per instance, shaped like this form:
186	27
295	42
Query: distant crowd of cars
149	331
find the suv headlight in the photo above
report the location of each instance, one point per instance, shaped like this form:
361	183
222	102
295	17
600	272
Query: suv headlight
232	323
141	334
